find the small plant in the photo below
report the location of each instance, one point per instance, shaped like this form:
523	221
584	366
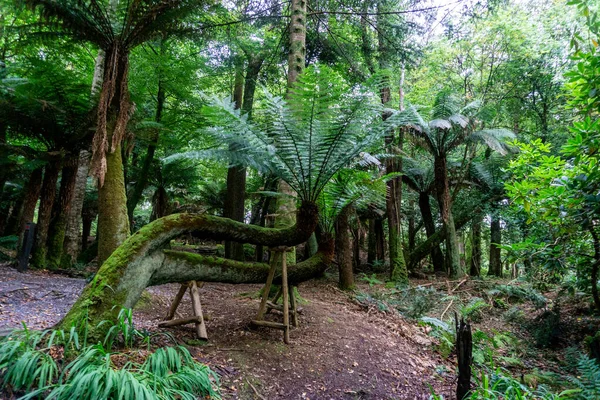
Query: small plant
55	365
474	310
371	280
443	332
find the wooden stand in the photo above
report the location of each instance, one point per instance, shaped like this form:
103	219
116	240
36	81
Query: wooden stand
197	318
288	298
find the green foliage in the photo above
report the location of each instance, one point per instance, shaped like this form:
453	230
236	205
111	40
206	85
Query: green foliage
443	332
474	309
55	365
304	139
371	279
518	294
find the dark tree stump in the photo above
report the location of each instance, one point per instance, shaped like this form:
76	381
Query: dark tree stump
464	352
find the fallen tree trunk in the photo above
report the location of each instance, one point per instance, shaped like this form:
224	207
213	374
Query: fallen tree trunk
142	261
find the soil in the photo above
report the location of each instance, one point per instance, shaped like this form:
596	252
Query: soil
341	350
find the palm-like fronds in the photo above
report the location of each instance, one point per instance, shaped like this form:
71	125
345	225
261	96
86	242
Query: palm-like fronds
305	139
452	125
350	187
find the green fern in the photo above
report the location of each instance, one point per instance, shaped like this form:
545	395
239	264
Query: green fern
305	139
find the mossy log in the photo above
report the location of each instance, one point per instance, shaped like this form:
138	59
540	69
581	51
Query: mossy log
142	261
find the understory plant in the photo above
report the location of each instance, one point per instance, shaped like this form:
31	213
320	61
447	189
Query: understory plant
55	364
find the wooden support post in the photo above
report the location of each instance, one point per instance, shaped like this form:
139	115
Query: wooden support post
197	307
175	303
265	296
294	307
286	299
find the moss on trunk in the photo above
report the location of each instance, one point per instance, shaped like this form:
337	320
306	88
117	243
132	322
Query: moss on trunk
138	262
113	224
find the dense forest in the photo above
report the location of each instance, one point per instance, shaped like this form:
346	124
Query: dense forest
390	199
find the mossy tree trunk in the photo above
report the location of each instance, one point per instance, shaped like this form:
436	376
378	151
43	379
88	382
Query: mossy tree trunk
113	224
437	257
495	268
445	204
47	195
343	250
60	213
141	261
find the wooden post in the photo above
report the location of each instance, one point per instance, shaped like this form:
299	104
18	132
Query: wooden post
464	351
197	307
265	296
176	302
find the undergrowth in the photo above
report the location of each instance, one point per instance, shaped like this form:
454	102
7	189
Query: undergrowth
55	364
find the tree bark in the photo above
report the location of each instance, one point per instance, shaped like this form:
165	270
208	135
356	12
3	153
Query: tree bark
475	263
343	250
113	223
140	261
47	195
160	204
437	257
595	268
445	203
32	194
425	248
72	243
236	179
495	239
60	213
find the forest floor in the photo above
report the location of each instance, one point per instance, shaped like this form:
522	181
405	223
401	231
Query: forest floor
342	349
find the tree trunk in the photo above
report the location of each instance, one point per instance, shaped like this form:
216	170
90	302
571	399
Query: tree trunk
595	269
495	239
356	244
72	244
445	203
343	250
60	213
236	179
160	204
87	218
464	355
426	248
475	263
113	224
371	243
47	195
437	257
32	194
379	240
296	63
141	261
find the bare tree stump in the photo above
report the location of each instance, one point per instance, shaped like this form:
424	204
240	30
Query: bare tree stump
464	352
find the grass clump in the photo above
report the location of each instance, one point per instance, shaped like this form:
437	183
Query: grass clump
62	365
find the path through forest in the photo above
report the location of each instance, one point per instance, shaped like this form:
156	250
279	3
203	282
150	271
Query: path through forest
340	351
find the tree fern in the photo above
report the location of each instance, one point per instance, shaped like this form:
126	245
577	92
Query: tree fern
304	139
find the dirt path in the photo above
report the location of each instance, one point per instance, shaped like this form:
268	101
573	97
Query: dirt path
340	351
